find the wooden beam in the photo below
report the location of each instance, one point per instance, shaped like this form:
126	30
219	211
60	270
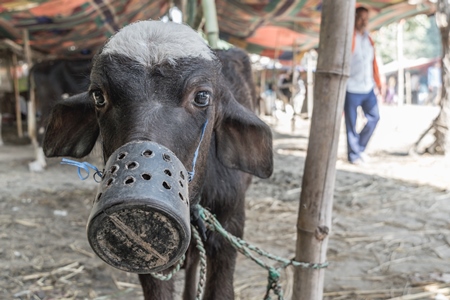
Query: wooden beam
18	49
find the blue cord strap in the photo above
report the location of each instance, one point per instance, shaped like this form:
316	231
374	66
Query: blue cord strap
194	161
85	166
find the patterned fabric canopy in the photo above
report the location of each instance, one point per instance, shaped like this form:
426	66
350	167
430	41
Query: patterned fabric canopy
72	27
275	28
267	27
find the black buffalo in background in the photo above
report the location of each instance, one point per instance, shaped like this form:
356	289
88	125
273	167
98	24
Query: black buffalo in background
53	81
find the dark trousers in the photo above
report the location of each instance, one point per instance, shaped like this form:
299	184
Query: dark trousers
357	142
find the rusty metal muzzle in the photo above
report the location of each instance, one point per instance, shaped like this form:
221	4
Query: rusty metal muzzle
140	219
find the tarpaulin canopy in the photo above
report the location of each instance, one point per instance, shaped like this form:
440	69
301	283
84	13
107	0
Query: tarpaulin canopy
72	27
274	28
266	27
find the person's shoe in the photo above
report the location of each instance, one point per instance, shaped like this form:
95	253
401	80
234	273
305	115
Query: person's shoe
365	157
358	162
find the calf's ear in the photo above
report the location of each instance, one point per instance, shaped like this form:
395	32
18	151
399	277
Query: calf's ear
243	141
72	128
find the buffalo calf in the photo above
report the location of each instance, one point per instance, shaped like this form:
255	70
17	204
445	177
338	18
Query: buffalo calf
156	84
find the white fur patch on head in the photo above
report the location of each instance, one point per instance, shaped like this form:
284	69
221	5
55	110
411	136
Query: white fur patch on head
154	42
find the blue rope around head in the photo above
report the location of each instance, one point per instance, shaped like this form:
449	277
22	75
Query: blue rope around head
194	161
85	166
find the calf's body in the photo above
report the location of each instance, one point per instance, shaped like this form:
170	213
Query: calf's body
160	82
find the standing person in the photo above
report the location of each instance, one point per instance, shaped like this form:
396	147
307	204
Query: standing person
434	78
364	76
390	91
415	86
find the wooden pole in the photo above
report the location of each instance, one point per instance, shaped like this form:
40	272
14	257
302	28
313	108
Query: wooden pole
211	24
263	104
316	199
17	95
310	84
294	85
408	87
32	100
401	69
190	12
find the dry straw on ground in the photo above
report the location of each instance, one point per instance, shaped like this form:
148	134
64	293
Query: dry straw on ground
389	238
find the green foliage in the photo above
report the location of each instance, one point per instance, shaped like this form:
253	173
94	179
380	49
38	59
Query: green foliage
421	38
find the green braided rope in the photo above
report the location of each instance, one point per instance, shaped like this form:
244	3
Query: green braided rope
245	248
202	252
273	284
169	275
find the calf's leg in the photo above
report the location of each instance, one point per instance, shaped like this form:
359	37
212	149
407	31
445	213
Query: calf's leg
190	283
222	258
156	289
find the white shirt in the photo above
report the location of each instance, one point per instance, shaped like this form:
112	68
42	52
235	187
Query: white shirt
361	66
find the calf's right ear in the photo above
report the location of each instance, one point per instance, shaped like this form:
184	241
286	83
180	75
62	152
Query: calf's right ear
72	128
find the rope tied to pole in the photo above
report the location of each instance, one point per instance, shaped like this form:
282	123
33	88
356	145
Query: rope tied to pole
273	284
246	249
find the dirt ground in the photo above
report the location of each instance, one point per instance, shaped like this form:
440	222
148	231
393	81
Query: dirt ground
390	232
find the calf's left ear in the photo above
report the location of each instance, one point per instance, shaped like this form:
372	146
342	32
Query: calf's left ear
72	129
243	140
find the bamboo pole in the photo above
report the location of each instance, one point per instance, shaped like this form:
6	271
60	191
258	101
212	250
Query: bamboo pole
17	95
263	104
190	12
401	68
211	25
32	100
316	199
310	84
408	88
294	85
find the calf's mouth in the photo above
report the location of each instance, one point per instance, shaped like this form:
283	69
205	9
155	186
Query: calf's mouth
140	219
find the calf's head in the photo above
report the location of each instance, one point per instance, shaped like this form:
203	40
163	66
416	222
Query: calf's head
160	103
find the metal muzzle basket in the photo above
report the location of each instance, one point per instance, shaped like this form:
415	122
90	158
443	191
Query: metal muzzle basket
140	219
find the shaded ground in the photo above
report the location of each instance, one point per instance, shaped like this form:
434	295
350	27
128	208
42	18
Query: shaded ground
389	237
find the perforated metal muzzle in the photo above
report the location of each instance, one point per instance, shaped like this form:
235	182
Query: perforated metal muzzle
140	219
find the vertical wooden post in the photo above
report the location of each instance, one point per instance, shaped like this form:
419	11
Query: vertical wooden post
401	70
310	83
263	104
32	101
211	25
17	95
294	85
316	200
190	12
408	87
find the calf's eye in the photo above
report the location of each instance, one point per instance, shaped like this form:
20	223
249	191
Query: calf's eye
99	99
202	98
